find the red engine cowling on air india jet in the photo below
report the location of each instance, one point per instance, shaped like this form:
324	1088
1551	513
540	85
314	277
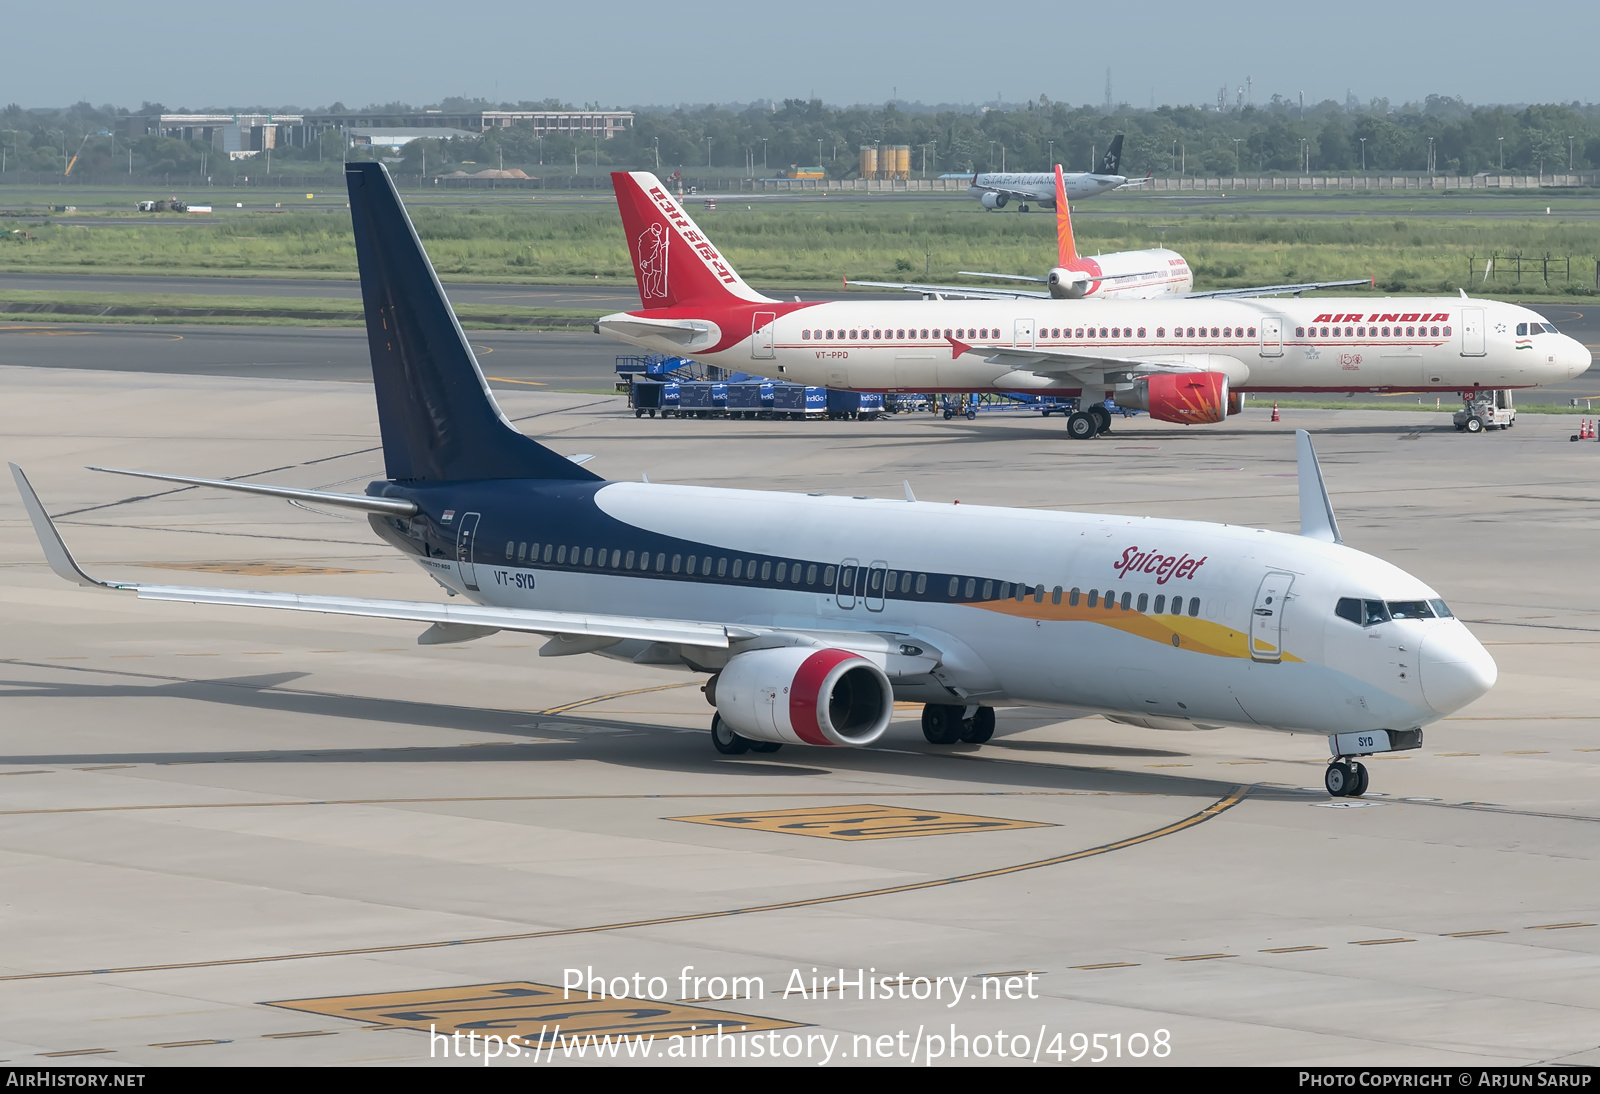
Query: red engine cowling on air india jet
1187	398
804	696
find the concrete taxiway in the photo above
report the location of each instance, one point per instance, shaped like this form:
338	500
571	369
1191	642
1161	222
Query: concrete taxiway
239	836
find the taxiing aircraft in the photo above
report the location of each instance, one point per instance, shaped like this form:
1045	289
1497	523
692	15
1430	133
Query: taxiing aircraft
997	188
1183	360
811	615
1119	275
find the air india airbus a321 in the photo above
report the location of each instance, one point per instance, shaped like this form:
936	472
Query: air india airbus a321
1183	360
812	615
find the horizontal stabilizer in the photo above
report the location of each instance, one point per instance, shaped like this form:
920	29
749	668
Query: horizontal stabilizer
394	507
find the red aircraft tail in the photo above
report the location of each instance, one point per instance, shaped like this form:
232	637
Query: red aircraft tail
676	265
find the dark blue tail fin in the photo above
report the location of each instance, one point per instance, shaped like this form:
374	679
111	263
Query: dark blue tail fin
438	420
1113	157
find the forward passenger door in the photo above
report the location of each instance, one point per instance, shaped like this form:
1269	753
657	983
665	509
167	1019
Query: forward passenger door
846	594
1266	617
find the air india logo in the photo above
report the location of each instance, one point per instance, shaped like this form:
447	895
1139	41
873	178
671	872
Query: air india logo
653	262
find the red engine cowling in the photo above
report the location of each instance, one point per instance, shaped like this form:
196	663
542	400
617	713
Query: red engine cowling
804	696
1235	403
1188	398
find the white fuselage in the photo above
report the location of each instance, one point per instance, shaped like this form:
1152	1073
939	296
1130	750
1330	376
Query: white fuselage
1040	187
1376	344
1015	603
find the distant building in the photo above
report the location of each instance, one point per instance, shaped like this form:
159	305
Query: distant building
397	137
259	132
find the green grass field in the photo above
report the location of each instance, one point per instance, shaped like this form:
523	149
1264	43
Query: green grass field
498	236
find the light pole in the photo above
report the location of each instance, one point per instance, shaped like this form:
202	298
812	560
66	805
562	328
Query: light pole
1569	152
657	142
1174	157
935	145
764	167
1363	155
1050	160
1305	154
1430	155
819	151
1502	141
1237	167
708	152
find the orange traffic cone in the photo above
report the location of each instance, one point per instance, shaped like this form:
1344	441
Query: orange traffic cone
1275	413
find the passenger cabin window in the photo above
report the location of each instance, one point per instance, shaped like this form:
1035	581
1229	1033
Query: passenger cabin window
1055	595
922	584
1194	606
1072	600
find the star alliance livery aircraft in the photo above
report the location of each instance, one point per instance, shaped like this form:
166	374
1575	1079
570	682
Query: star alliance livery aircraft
811	615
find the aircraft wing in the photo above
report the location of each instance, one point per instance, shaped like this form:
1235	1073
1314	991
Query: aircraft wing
1020	195
570	632
1097	368
1276	290
959	291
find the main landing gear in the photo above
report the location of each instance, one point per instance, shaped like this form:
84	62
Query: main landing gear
1346	778
947	725
1084	424
729	743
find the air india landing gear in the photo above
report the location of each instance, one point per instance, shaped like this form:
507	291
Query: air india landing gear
948	725
1087	423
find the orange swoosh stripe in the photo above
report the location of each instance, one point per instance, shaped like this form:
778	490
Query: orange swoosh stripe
1195	635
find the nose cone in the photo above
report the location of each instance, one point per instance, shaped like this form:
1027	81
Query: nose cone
1576	357
1455	668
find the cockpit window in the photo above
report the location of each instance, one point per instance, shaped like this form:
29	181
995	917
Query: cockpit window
1349	608
1440	610
1410	609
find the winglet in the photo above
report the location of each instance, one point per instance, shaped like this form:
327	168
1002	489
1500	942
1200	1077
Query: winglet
957	348
1316	511
907	484
1464	295
55	551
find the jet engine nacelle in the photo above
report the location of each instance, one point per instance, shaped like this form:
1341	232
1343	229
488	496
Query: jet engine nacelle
804	696
1188	398
1069	284
992	200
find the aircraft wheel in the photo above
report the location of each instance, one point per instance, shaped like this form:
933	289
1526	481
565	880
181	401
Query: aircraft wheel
725	740
941	725
1359	770
1474	425
1339	779
1022	208
980	727
764	746
1081	425
1102	419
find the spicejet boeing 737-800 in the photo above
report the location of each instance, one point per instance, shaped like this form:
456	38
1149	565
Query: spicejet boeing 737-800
1180	359
812	615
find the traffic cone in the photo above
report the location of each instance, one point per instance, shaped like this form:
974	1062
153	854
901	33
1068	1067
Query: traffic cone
1275	412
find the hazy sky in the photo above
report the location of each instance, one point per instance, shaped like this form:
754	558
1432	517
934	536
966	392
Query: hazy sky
627	52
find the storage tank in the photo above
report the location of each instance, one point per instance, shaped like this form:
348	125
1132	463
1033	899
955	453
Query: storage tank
869	161
897	161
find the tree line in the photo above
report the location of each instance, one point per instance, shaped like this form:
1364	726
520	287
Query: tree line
1441	134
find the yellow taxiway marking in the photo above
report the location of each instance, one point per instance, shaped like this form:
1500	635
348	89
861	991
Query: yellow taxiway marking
303	1033
1527	752
1472	934
78	1052
1210	812
190	1044
1557	926
1109	965
1293	949
531	1011
509	380
253	568
1202	957
858	822
615	695
1381	941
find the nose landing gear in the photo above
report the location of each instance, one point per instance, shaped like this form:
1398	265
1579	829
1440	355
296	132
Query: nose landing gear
1346	778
